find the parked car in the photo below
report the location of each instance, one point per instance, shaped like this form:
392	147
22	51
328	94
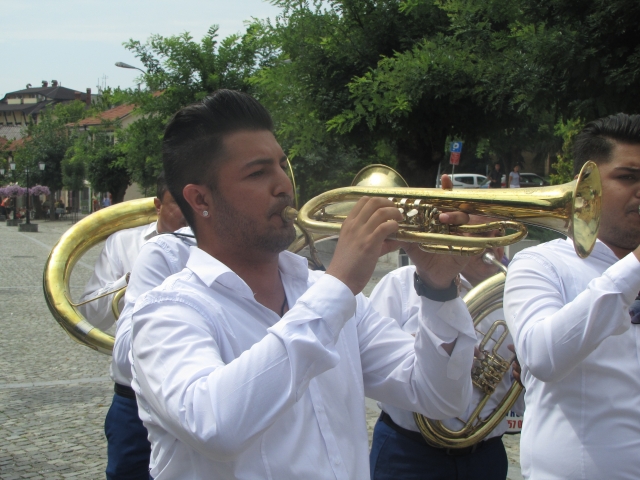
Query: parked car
526	180
465	180
532	180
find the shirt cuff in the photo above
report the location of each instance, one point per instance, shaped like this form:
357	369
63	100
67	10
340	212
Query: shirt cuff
451	321
328	299
625	275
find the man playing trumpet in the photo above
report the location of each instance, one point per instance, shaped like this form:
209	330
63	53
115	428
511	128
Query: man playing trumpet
248	365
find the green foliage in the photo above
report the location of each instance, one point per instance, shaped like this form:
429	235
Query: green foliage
498	73
564	160
48	142
181	71
95	156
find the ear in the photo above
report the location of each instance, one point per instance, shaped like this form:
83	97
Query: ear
158	204
199	198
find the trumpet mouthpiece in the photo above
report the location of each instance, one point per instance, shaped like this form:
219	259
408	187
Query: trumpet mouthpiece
289	214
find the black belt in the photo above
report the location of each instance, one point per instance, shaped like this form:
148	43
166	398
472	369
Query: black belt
417	437
124	391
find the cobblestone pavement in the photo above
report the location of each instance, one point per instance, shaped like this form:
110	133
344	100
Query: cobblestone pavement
54	393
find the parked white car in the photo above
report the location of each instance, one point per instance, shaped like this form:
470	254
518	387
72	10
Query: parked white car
465	180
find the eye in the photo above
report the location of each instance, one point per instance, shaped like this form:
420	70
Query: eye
256	174
628	177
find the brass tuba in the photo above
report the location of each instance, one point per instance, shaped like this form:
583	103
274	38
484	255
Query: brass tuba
481	301
65	254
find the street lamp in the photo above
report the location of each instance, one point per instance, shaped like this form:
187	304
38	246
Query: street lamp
126	65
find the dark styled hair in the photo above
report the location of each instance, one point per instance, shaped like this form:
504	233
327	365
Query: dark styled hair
597	139
193	139
161	186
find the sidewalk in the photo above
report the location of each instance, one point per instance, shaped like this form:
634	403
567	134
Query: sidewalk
54	393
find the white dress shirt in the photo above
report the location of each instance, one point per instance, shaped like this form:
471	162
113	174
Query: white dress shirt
159	258
395	296
580	361
227	388
109	273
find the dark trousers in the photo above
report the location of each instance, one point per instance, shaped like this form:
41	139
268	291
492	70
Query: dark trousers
395	456
128	450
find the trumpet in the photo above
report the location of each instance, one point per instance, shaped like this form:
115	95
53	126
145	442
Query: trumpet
572	209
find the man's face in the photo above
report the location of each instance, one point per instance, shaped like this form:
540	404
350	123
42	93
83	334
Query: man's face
251	192
620	221
497	167
476	270
170	217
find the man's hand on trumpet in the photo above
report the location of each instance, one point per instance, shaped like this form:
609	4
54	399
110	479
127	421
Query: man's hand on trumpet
437	271
363	239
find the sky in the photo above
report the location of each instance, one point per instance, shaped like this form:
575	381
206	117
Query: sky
77	42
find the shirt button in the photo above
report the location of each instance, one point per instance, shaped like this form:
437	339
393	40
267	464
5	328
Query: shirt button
336	461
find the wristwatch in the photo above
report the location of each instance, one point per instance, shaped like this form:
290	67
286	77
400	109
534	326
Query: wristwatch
439	295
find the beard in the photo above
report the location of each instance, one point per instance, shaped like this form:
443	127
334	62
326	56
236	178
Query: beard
241	230
623	239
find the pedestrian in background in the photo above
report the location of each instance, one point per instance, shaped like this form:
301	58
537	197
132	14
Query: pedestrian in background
496	177
514	177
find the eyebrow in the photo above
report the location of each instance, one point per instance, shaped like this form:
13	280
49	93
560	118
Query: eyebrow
628	169
262	161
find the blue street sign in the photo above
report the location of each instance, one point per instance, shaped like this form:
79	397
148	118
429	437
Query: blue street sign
456	147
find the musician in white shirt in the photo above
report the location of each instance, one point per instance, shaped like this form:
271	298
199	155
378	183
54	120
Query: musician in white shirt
398	449
128	449
248	365
573	333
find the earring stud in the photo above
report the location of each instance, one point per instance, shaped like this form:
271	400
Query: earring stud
205	213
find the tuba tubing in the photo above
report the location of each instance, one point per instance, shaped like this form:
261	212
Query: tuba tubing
65	254
485	298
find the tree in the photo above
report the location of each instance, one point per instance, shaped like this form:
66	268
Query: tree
564	160
410	74
96	156
48	141
180	71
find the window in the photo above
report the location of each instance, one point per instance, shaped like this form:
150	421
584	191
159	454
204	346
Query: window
465	179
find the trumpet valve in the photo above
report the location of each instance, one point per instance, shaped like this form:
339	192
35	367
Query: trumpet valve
488	371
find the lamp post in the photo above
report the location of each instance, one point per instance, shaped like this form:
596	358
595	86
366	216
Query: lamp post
126	65
12	167
41	166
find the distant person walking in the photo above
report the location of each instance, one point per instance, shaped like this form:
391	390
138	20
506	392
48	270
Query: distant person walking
106	201
496	177
514	177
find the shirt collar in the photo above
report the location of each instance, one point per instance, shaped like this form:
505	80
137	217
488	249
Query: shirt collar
151	231
209	270
600	251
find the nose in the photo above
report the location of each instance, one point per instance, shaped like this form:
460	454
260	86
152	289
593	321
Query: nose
283	184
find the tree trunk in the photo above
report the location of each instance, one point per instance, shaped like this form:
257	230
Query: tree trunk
118	195
418	159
